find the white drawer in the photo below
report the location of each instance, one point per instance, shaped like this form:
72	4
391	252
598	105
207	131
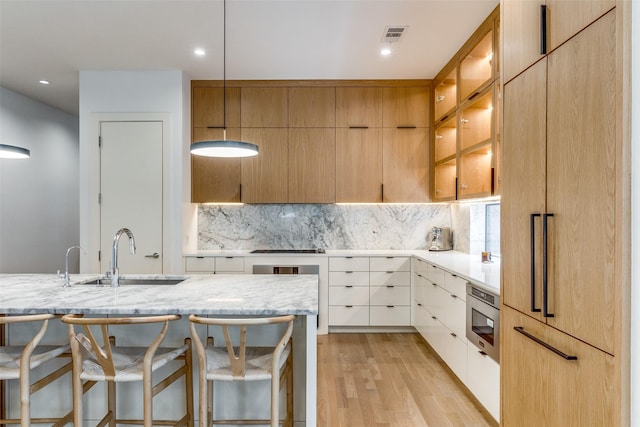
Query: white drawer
455	317
456	285
483	379
435	275
230	264
390	263
348	295
348	264
393	295
420	266
355	315
397	278
199	264
390	316
354	278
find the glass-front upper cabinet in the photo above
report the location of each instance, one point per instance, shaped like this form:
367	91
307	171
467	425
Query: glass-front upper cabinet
444	180
445	140
445	94
476	120
476	68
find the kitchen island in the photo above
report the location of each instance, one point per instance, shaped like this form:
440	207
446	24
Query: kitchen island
213	295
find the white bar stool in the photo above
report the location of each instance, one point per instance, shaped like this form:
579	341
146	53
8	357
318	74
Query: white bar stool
16	362
247	364
102	360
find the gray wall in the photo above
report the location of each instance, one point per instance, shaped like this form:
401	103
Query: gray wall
39	208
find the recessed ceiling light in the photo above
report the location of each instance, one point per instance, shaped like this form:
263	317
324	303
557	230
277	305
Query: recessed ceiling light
385	51
45	82
199	52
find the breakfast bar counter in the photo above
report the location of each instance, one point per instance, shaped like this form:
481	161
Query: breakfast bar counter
240	295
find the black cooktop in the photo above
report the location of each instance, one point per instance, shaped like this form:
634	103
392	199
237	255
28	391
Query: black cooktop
288	251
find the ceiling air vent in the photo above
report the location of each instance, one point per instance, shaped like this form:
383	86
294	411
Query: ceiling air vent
394	33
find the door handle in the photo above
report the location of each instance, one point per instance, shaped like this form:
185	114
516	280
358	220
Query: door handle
549	347
545	267
533	263
153	255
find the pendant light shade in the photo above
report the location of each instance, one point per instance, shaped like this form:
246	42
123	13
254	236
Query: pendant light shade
224	147
13	152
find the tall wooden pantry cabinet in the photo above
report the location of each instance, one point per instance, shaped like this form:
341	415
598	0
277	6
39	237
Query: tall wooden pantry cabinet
565	215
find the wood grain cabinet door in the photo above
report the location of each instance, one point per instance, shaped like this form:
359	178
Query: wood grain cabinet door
264	177
566	18
520	28
312	107
405	167
312	165
264	107
541	388
359	107
405	106
207	107
215	179
523	189
359	165
582	168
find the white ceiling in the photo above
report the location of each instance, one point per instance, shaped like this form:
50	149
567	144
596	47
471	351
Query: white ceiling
266	39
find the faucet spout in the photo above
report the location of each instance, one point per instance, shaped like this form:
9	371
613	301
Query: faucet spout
114	262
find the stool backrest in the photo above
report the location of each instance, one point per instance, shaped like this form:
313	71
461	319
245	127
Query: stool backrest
31	345
237	360
101	350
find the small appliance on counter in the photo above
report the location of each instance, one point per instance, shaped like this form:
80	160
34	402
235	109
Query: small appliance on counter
439	239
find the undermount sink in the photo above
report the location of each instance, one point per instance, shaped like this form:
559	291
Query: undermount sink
137	281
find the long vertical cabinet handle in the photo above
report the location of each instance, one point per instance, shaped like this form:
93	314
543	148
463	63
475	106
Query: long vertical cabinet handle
545	267
543	29
533	263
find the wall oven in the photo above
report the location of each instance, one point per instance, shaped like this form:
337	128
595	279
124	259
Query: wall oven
483	320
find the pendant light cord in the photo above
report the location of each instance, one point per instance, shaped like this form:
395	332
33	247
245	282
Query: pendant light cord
224	68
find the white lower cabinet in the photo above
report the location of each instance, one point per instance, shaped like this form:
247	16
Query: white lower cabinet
381	286
212	265
349	315
483	379
439	315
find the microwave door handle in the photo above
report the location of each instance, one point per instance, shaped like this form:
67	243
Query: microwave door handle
533	262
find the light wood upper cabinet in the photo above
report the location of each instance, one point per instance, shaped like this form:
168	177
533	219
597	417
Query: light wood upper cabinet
581	166
522	24
541	388
405	169
312	165
359	165
476	68
264	177
207	107
445	91
312	107
405	106
264	107
359	106
215	178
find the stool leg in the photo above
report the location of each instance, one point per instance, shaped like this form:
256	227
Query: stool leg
25	396
111	402
188	381
289	419
275	399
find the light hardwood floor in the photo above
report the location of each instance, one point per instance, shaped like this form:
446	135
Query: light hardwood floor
389	379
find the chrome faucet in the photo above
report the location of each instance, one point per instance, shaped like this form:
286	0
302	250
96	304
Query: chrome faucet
115	274
66	283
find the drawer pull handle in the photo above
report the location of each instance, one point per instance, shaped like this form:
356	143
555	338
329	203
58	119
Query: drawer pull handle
390	272
434	317
349	257
229	257
390	306
199	257
549	347
419	305
482	353
348	272
349	286
454	335
390	286
359	127
389	257
348	306
454	296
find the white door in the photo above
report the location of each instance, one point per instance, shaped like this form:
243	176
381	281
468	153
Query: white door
131	194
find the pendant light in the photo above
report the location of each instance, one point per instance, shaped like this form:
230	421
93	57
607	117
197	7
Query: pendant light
224	147
13	152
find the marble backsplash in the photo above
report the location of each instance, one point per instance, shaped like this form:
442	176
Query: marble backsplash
291	226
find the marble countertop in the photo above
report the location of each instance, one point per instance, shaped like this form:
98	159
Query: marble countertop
220	294
468	266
